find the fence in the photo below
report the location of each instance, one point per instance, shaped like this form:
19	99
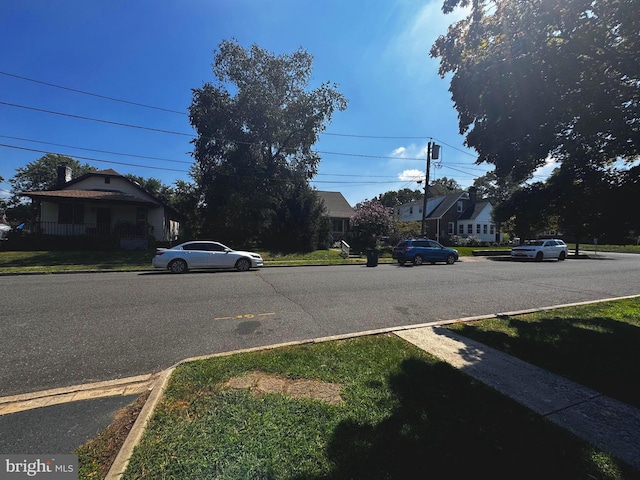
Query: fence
119	230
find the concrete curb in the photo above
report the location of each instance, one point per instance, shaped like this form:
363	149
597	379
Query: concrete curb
124	455
87	391
358	264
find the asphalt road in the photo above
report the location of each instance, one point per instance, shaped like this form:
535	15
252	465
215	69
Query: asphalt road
59	330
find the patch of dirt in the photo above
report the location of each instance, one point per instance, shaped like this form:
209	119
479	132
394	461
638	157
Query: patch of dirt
261	382
98	454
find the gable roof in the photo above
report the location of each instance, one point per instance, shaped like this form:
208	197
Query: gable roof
473	211
112	196
336	205
444	205
64	192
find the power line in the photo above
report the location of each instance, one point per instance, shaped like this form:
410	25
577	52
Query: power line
113	99
120	124
93	159
95	119
95	150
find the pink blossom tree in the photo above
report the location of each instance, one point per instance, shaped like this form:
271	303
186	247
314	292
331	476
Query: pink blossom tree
370	221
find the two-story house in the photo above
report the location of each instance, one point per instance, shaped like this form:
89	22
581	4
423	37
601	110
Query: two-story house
454	214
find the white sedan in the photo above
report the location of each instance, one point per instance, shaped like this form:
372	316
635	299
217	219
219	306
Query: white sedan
541	250
204	254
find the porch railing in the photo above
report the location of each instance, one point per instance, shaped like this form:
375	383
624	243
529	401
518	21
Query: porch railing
128	230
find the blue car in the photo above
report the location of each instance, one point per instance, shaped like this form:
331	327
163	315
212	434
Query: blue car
421	250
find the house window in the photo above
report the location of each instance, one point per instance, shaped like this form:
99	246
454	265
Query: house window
337	225
107	179
460	205
141	215
451	228
478	229
461	229
71	213
470	229
491	229
484	229
410	210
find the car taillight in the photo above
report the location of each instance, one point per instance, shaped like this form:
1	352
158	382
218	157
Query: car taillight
159	253
408	249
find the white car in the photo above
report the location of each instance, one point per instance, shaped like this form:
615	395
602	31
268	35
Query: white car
204	254
4	231
539	250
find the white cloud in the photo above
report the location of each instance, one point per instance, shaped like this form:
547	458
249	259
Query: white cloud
410	151
399	152
413	175
541	173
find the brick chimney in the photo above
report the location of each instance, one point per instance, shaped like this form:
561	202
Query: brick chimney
64	174
473	195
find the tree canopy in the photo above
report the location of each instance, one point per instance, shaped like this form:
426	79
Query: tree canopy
532	79
256	126
395	198
42	174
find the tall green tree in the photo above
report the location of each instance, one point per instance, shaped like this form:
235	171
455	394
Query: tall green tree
42	174
256	125
443	186
186	199
154	187
537	78
526	212
493	189
395	198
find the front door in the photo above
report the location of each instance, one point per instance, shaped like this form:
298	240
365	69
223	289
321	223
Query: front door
103	221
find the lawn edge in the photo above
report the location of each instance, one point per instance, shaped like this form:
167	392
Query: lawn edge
119	466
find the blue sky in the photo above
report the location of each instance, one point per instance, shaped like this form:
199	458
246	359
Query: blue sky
155	52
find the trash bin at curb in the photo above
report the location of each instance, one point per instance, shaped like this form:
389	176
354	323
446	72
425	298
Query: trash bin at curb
372	257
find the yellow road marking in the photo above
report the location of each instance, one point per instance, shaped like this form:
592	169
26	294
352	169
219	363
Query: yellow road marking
245	315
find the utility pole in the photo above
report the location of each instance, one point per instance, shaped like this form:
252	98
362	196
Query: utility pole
433	150
423	230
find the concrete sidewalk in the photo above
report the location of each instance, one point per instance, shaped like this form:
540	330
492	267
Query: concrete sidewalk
606	423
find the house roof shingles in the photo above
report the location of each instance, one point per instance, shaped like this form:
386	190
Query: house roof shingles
337	206
90	195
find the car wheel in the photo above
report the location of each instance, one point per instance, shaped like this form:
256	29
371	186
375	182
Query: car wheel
243	265
178	266
539	257
417	260
451	259
562	256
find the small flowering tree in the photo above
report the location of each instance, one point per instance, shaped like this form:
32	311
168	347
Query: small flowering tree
370	221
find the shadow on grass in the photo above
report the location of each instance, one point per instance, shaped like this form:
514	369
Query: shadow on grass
600	353
446	426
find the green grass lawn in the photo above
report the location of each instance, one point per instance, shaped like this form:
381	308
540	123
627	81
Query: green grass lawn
60	261
595	345
403	414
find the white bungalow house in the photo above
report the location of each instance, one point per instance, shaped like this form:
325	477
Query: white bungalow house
104	203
